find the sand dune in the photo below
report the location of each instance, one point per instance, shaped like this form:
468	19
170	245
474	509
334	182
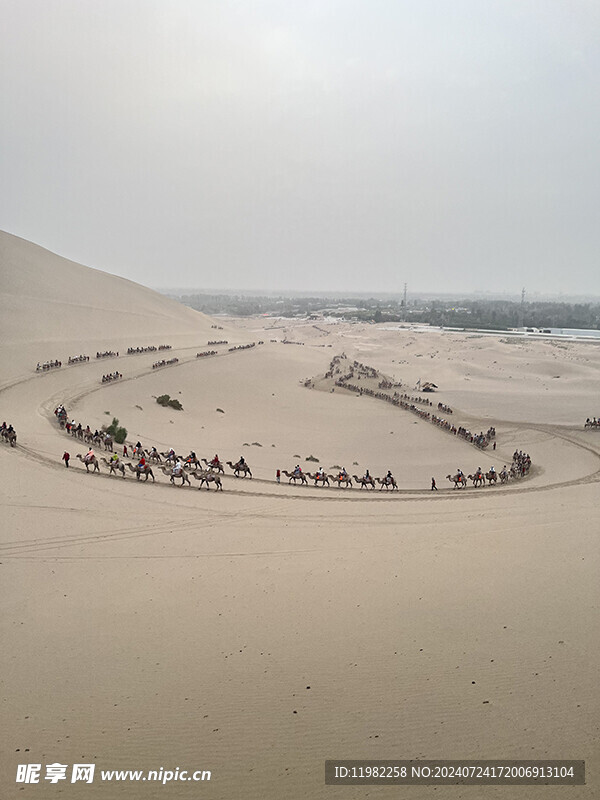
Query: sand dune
258	631
53	307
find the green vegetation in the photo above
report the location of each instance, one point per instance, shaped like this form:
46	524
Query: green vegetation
166	401
491	313
119	434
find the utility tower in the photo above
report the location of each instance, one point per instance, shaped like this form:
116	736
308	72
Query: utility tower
522	309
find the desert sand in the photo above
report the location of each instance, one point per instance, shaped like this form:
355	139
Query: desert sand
258	631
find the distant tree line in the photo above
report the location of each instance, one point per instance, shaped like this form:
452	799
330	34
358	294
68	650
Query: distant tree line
460	313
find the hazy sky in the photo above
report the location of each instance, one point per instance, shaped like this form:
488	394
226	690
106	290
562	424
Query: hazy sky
318	144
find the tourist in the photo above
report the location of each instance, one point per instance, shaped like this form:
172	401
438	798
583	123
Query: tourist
66	458
433	486
278	476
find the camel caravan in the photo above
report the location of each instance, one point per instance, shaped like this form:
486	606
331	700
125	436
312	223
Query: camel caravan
180	469
520	467
48	365
83	359
8	434
340	479
164	363
176	468
151	348
343	372
593	424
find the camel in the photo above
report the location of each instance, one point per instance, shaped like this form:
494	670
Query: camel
172	458
491	477
88	437
478	479
108	442
293	477
459	481
387	482
212	467
10	438
365	481
93	462
207	477
338	480
504	476
172	476
239	467
316	478
147	471
154	456
115	466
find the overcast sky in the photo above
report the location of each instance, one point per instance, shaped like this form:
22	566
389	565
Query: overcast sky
318	144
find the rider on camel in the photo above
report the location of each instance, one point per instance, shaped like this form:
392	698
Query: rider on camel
215	462
89	455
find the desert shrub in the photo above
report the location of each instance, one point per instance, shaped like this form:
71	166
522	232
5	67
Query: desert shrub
311	458
167	401
112	428
220	410
118	433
